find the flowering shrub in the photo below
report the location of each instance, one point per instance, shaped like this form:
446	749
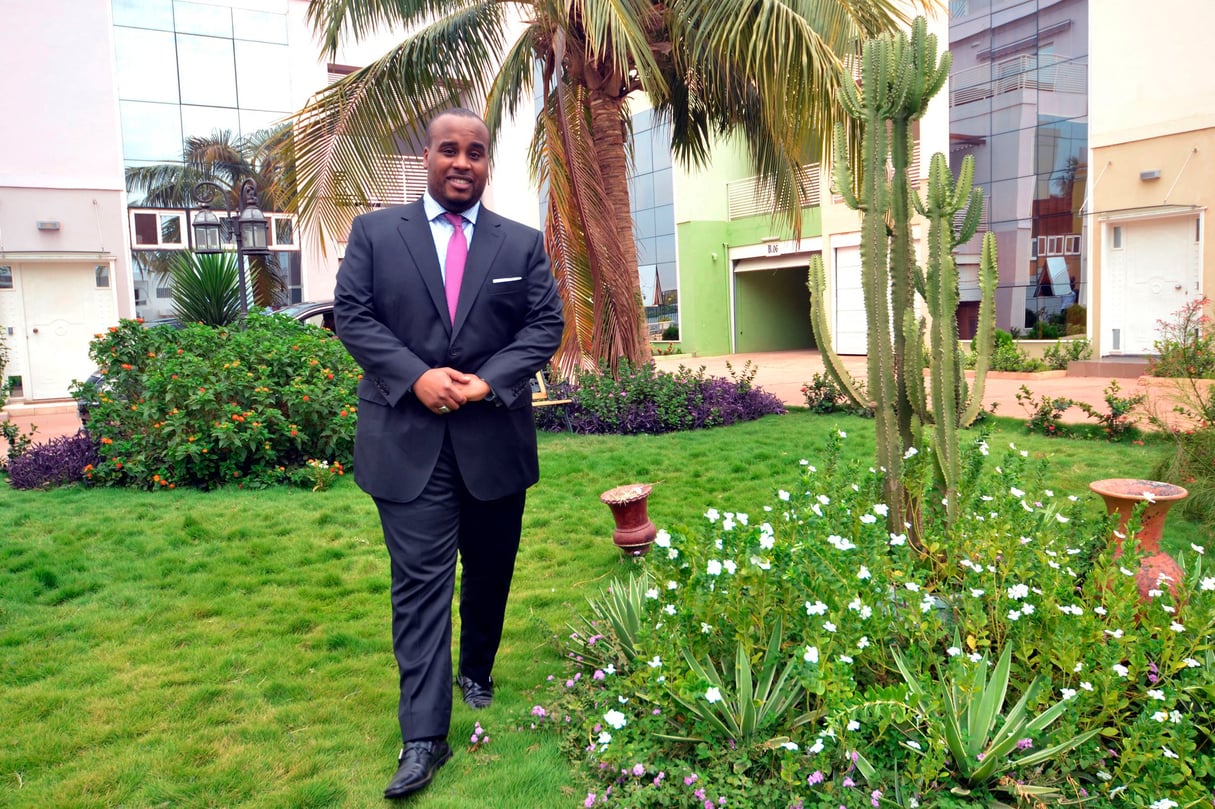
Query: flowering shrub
65	459
645	400
202	406
761	667
1186	343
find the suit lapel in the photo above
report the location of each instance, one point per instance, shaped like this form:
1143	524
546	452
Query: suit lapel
486	242
414	230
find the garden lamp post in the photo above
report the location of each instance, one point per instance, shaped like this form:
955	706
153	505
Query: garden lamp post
249	231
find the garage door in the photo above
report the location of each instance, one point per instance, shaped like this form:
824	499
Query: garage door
851	334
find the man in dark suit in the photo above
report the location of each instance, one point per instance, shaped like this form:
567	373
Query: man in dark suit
450	310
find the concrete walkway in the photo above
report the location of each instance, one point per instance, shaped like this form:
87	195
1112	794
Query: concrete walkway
781	373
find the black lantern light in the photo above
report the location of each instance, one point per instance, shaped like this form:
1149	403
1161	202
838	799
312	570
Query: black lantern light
250	229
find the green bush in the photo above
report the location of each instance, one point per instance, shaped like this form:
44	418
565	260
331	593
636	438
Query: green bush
1008	356
761	666
1061	354
204	406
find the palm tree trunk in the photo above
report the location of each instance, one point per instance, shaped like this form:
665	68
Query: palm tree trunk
620	282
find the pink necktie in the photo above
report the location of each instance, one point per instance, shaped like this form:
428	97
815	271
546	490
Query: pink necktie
457	254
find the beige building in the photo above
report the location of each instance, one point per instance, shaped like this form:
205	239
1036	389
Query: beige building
1152	168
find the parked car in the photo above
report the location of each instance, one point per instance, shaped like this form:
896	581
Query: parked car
316	313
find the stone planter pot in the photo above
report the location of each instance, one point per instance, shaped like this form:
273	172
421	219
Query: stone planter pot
634	531
1123	495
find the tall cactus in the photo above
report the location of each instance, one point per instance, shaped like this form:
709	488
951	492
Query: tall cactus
899	75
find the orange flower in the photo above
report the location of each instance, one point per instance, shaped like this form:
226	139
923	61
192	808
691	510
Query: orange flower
126	366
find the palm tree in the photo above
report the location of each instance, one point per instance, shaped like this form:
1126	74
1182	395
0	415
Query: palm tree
227	161
767	71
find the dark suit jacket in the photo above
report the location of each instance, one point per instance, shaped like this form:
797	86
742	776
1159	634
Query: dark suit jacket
391	313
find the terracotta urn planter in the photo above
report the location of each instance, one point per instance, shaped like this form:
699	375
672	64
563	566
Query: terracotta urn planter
634	531
1123	495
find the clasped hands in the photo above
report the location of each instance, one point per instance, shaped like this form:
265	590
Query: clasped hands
444	390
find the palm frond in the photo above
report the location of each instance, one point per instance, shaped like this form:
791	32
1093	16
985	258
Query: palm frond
342	132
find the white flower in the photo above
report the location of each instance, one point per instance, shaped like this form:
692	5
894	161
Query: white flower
853	725
901	539
669	609
1061	518
783	495
1114	633
1068	693
845	659
1191	663
616	719
1168	754
654	663
1163	803
672	554
1013	615
913	744
1156	693
824	499
1027	609
881	509
863	642
1175	717
662	539
1160	716
1071	609
975	657
729	566
816	748
652	593
1149	497
767	539
714	567
1120	670
604	738
609	669
1015	492
868	519
817	608
706	628
728	523
761	562
843	434
912	586
841	543
828	626
1208	583
953	651
1099	610
910	453
811	655
791	746
864	573
983	448
1018	591
672	585
975	592
712	515
926	604
1087	686
713	694
1198	549
1176	627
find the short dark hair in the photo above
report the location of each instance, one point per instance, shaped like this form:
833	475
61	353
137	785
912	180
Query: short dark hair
459	112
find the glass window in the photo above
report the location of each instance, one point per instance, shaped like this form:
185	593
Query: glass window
156	229
263	74
203	122
6	276
284	230
208	71
1117	237
150	132
147	65
101	275
144	13
261	26
196	18
256	120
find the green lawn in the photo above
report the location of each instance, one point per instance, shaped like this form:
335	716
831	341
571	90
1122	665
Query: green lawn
231	649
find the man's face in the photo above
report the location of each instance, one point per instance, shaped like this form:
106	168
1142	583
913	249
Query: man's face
457	161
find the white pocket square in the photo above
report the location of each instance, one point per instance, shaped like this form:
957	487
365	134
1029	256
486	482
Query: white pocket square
507	280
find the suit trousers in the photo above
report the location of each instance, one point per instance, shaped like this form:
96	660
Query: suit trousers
423	537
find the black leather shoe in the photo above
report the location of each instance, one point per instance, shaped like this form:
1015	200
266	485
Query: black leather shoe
476	695
417	765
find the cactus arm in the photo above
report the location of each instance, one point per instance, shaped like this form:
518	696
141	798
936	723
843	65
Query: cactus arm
817	283
985	336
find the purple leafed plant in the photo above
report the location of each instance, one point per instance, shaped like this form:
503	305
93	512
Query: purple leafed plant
53	463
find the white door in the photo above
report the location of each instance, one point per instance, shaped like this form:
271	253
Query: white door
1161	276
851	333
63	310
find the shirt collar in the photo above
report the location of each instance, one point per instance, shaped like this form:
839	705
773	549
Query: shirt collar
434	210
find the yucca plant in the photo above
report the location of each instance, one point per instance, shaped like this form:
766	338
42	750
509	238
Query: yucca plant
968	713
749	706
206	288
609	635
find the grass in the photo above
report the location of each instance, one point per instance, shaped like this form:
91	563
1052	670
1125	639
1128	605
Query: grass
232	648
